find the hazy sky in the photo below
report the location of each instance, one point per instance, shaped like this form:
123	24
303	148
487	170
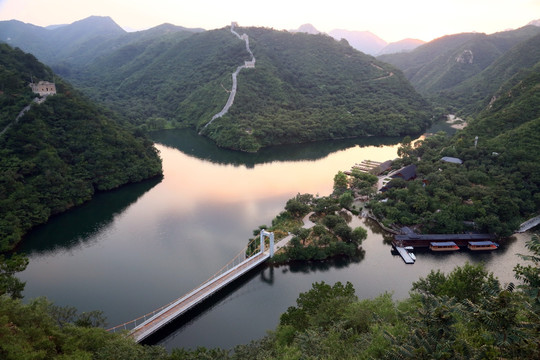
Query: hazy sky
391	20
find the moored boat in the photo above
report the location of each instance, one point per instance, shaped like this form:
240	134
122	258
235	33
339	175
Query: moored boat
443	246
482	245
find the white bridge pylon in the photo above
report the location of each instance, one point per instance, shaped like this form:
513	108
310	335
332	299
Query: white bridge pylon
271	236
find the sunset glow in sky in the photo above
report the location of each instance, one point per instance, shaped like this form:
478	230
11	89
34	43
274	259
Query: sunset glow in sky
392	20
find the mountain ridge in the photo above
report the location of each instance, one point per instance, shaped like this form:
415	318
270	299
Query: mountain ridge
287	98
443	64
80	41
400	46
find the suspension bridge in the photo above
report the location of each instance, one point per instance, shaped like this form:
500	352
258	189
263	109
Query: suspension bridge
237	267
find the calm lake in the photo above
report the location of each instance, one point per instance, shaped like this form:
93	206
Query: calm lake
135	249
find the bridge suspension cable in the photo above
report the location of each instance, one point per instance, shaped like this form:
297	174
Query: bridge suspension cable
237	259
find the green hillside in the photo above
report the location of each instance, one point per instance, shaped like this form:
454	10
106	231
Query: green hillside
69	48
148	79
445	69
476	93
60	43
16	70
304	88
311	87
498	185
60	152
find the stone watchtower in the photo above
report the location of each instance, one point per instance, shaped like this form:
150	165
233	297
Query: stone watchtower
43	88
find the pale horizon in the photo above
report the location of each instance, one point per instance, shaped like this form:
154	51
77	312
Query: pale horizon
391	20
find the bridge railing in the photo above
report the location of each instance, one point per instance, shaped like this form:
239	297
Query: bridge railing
238	259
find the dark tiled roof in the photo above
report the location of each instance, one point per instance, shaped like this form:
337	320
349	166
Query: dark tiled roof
407	172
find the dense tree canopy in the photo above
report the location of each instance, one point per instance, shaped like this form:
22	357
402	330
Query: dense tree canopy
303	88
498	185
60	152
461	72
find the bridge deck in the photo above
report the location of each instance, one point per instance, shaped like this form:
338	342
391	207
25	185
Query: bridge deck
196	296
170	312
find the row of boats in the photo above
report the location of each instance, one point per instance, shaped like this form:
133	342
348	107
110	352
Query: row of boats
408	240
452	246
471	245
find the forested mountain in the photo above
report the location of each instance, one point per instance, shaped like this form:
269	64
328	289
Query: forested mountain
60	152
404	45
51	45
435	69
303	88
498	185
66	48
311	87
477	92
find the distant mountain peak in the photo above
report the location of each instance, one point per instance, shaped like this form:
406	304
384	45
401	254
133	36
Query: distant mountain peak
56	26
307	28
168	27
364	41
535	22
100	23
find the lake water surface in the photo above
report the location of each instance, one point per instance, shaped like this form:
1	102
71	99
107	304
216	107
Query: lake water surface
130	251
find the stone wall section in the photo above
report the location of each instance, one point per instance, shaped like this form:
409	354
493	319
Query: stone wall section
247	65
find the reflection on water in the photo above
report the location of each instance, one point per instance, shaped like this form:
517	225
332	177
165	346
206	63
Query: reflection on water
338	262
79	225
189	142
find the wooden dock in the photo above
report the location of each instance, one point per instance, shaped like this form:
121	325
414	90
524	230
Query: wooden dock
185	303
404	255
424	240
370	167
529	224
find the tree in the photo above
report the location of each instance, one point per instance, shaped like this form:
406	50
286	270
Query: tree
341	183
326	205
94	318
297	208
332	220
346	200
530	274
363	183
470	282
344	231
302	234
320	306
9	284
406	151
358	235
